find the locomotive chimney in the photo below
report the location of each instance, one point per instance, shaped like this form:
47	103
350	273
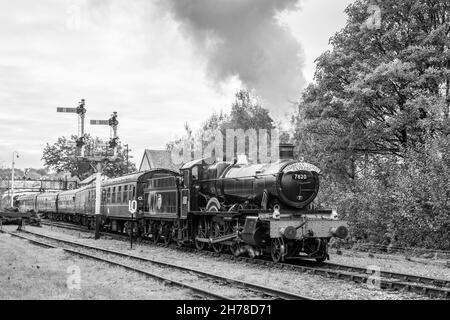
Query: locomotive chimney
286	151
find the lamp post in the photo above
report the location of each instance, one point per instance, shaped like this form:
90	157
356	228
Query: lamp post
12	177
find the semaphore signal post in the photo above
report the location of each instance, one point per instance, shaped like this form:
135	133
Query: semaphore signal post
95	159
81	111
113	123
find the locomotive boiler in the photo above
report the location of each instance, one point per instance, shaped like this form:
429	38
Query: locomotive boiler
260	208
290	184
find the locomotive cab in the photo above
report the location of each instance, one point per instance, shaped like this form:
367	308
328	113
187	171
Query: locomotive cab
194	174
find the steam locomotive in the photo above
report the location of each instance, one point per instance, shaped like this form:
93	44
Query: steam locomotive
254	209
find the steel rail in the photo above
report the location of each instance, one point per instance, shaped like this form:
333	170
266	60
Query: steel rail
66	226
255	287
393	275
127	267
358	277
431	287
399	248
361	276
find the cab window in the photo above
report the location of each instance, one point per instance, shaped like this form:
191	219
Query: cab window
195	173
186	180
133	192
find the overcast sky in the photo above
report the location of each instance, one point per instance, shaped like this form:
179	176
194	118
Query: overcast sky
159	64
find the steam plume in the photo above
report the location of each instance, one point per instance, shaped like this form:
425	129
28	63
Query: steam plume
243	38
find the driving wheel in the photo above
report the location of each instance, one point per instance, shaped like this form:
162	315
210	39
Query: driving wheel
277	249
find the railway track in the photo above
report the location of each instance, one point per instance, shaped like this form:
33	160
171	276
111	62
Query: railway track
393	275
432	287
435	288
200	282
390	248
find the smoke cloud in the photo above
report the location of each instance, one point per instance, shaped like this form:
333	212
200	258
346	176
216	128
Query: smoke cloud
243	38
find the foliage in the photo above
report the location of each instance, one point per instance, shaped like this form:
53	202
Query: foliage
376	121
406	201
5	174
246	113
63	156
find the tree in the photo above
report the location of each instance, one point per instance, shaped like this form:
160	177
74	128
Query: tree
381	90
246	113
62	157
376	121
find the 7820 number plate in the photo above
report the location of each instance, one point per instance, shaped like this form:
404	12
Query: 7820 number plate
300	176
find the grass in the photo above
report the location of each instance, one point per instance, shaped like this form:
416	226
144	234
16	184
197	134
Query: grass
31	272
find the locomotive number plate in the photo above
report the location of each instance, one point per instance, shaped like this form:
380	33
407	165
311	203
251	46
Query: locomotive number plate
299	176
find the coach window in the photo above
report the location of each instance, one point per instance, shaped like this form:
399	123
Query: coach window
133	195
146	204
108	196
113	195
119	194
172	205
125	194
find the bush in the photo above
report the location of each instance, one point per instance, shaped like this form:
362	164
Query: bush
406	202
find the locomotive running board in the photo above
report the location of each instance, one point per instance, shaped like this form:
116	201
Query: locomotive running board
218	239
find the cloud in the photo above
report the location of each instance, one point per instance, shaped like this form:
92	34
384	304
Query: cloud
146	60
116	57
243	38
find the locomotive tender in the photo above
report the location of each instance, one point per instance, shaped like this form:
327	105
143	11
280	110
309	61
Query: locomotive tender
244	208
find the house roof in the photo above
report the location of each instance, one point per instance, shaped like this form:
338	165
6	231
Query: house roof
153	159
